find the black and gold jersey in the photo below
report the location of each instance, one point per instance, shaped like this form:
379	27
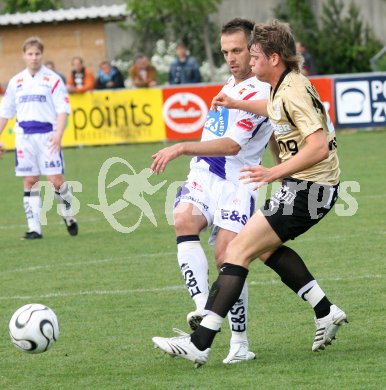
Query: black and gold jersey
295	111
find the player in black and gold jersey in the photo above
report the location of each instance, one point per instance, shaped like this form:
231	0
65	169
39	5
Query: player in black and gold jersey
309	171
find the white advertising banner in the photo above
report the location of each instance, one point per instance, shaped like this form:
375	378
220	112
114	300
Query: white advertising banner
360	101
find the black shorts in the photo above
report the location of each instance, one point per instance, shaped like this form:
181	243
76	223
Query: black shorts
297	206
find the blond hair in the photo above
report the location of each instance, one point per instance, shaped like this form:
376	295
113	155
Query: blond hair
33	41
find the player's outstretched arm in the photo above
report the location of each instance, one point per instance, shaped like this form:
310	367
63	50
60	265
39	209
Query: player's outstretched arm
223	100
212	148
258	107
163	156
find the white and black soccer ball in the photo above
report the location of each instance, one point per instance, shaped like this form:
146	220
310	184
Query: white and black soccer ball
34	328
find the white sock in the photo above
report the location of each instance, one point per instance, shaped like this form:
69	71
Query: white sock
237	317
194	268
32	207
64	198
200	301
212	321
315	295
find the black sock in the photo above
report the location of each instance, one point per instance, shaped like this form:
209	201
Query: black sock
294	273
226	290
192	237
223	294
203	337
290	267
322	308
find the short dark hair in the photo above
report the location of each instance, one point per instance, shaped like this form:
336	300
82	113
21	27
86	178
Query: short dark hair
139	56
77	58
236	25
105	62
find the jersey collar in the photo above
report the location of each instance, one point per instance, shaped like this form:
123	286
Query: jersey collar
288	70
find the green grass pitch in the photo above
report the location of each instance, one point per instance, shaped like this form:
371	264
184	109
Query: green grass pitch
113	291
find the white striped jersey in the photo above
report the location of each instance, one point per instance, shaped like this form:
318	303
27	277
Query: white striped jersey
250	131
35	100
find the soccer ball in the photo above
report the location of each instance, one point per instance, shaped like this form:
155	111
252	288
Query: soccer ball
34	328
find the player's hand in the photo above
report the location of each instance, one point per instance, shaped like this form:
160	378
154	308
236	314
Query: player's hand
222	100
2	149
162	157
257	174
56	143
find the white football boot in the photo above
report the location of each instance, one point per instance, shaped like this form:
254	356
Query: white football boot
327	327
239	353
183	347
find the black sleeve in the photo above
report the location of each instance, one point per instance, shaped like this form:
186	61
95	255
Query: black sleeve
118	80
99	84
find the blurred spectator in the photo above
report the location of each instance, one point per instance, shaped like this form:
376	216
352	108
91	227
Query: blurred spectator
51	65
109	77
143	74
184	69
309	67
81	78
2	90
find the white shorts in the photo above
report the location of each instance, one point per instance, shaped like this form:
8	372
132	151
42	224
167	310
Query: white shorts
34	158
224	204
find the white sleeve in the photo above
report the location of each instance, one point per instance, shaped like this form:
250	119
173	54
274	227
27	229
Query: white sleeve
8	104
247	124
60	97
263	91
245	127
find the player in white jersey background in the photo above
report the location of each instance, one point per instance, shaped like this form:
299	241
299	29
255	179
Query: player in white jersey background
213	194
39	100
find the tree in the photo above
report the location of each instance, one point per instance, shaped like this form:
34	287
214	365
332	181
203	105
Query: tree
346	44
175	20
13	6
302	20
340	42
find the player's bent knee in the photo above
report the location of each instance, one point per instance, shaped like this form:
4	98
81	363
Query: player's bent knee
265	256
236	255
219	259
30	181
56	181
184	225
186	221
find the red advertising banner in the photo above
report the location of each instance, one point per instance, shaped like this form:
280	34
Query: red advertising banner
324	86
185	110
